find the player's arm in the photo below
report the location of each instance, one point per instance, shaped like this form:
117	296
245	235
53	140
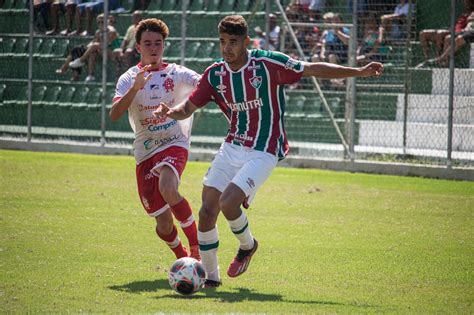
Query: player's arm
179	112
326	70
121	105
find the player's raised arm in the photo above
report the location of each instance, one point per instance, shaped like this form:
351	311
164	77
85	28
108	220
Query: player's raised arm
121	105
326	70
179	112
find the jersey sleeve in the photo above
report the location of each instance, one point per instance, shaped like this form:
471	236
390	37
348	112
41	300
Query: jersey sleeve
288	70
188	76
204	92
124	84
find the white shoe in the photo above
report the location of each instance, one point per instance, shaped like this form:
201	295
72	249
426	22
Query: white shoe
90	78
76	63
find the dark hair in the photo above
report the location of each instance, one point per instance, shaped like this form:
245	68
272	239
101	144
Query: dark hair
151	25
233	25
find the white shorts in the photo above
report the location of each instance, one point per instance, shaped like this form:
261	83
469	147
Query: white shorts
247	168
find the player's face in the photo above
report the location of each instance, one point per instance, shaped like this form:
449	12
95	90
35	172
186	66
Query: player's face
151	48
234	49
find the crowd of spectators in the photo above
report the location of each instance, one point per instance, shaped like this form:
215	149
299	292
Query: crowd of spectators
441	38
78	16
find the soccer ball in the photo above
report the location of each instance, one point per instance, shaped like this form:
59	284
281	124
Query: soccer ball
186	276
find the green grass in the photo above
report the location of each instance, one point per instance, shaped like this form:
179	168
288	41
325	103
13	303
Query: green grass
74	238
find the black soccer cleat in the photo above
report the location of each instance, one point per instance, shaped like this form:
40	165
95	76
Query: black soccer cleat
210	284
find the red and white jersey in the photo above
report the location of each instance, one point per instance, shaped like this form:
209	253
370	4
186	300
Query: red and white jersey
171	84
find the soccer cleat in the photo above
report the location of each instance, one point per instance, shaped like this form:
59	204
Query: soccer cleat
209	284
195	252
241	262
89	78
180	251
76	63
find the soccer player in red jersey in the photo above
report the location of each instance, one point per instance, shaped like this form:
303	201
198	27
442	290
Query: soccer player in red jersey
161	144
248	86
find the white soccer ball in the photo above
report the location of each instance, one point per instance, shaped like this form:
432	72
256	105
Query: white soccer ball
186	276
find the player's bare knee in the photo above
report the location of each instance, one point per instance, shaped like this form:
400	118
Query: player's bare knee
169	193
208	215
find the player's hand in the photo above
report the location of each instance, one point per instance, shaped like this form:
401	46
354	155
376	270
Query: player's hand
162	110
140	79
373	69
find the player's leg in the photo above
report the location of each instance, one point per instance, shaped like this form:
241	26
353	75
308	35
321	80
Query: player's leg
168	185
167	231
208	235
256	170
217	178
156	206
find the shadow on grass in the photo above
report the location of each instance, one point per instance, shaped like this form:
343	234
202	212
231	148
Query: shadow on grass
142	286
228	296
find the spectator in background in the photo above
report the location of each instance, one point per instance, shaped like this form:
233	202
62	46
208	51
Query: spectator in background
466	36
75	53
68	8
334	41
373	47
298	10
334	44
89	9
316	7
94	49
127	54
41	10
274	36
395	20
438	36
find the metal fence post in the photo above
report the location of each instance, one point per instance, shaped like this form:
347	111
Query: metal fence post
30	74
105	40
183	32
407	81
451	87
351	86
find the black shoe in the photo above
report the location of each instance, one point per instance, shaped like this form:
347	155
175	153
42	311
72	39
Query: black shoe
209	284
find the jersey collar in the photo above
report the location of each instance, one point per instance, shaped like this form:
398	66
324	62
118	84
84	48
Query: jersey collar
243	67
162	66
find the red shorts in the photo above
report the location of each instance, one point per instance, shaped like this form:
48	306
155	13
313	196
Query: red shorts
148	173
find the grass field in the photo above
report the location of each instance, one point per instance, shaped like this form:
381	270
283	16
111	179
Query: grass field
74	238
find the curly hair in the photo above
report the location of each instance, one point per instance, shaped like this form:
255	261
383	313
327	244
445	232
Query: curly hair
233	25
151	25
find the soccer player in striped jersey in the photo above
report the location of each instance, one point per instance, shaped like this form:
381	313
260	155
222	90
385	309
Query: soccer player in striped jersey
161	145
248	86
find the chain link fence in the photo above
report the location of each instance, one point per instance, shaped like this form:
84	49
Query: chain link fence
402	116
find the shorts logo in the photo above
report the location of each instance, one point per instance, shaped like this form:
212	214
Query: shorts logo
250	182
291	63
256	81
145	203
168	85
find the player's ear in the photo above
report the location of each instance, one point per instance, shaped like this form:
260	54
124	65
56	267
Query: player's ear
246	41
137	47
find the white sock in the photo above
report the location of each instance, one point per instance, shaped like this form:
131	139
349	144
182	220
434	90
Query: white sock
241	230
208	245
